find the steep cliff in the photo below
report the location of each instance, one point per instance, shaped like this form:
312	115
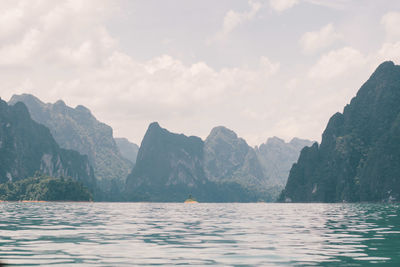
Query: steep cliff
228	158
77	129
359	156
168	167
27	147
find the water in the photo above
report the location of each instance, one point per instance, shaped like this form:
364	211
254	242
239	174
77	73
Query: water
128	234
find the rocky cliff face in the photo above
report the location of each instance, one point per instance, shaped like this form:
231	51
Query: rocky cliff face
277	157
228	158
27	147
359	156
168	167
77	129
128	150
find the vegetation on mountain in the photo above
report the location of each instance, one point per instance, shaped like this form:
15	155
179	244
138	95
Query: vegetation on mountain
229	159
44	188
168	167
27	147
359	156
77	129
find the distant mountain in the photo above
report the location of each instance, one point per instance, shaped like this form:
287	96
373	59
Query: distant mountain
128	150
77	129
277	157
228	158
359	156
170	167
28	148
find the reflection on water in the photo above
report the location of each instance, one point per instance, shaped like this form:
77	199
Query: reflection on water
115	234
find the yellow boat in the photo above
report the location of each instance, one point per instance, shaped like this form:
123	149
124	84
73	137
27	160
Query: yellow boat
191	200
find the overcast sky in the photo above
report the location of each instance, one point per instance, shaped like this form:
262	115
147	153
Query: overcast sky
261	68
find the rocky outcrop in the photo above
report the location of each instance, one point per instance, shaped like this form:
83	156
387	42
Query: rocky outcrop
28	148
168	167
228	158
359	156
77	129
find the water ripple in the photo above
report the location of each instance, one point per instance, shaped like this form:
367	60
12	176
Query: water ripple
126	234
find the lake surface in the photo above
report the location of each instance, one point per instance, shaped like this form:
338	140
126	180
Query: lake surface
128	234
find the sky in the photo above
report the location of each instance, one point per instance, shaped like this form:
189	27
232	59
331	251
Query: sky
261	68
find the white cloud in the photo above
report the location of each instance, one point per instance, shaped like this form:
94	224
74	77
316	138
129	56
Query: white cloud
337	4
348	64
78	60
61	32
317	40
129	94
337	62
391	22
282	5
63	49
166	82
10	21
23	50
389	51
268	66
233	19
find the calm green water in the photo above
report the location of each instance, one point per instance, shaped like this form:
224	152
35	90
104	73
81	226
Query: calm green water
118	234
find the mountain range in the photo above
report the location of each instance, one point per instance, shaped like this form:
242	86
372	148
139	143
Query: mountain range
358	158
27	148
77	129
223	168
